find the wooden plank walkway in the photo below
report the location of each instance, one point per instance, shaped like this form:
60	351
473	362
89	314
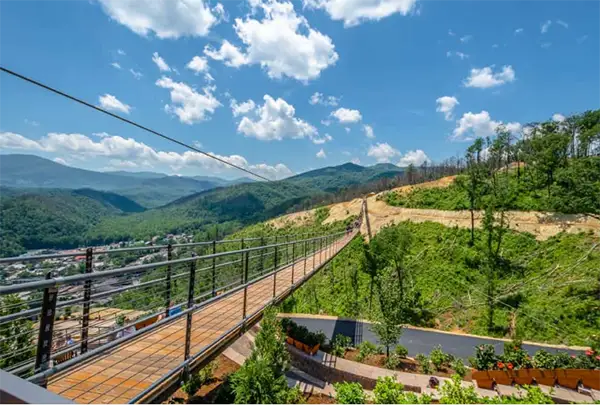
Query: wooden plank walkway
120	374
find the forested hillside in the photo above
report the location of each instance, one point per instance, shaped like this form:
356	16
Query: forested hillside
55	218
556	167
543	291
231	207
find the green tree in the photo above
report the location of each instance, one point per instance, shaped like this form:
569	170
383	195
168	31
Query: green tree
16	337
349	393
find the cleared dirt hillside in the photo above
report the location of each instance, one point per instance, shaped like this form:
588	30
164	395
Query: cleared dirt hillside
541	224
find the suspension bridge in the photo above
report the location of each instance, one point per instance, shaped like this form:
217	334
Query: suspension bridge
129	334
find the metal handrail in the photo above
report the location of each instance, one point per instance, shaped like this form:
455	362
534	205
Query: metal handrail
82	251
57	281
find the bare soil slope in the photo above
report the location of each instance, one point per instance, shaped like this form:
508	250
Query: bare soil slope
541	224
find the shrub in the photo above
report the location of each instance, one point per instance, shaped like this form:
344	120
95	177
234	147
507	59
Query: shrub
339	344
485	357
393	361
192	385
438	357
207	373
388	391
349	393
515	355
366	349
401	351
453	392
459	367
424	363
563	360
543	359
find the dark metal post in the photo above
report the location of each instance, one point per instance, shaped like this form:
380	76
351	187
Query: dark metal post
214	269
188	325
287	249
275	273
262	254
314	252
293	260
305	255
44	347
246	287
242	261
168	281
87	295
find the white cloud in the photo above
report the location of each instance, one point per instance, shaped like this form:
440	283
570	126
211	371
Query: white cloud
369	131
446	105
544	27
382	152
546	45
197	144
32	123
275	120
166	18
136	74
116	65
518	31
121	52
321	154
326	122
356	161
208	77
320	141
479	125
282	43
451	33
160	62
347	130
60	161
558	117
485	78
461	55
129	150
189	105
466	38
319	98
228	54
414	157
346	116
354	12
110	102
198	64
220	12
242	108
562	23
582	39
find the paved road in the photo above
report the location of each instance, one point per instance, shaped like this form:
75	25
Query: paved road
415	340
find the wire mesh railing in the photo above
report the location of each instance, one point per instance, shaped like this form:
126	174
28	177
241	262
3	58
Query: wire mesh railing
48	325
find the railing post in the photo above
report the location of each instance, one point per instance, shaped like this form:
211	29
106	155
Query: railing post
245	286
275	273
314	253
46	328
262	254
287	249
305	255
168	281
188	325
242	260
87	295
293	260
320	250
214	269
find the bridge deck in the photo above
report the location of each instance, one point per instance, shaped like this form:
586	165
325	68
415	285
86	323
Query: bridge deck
120	374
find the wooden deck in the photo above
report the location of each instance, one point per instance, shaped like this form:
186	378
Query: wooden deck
120	374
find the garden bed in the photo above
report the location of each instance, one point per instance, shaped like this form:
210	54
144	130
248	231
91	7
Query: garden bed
406	365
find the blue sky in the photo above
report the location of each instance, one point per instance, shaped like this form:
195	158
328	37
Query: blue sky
398	81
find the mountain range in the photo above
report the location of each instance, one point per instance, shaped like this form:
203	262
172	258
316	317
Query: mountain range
148	189
51	205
